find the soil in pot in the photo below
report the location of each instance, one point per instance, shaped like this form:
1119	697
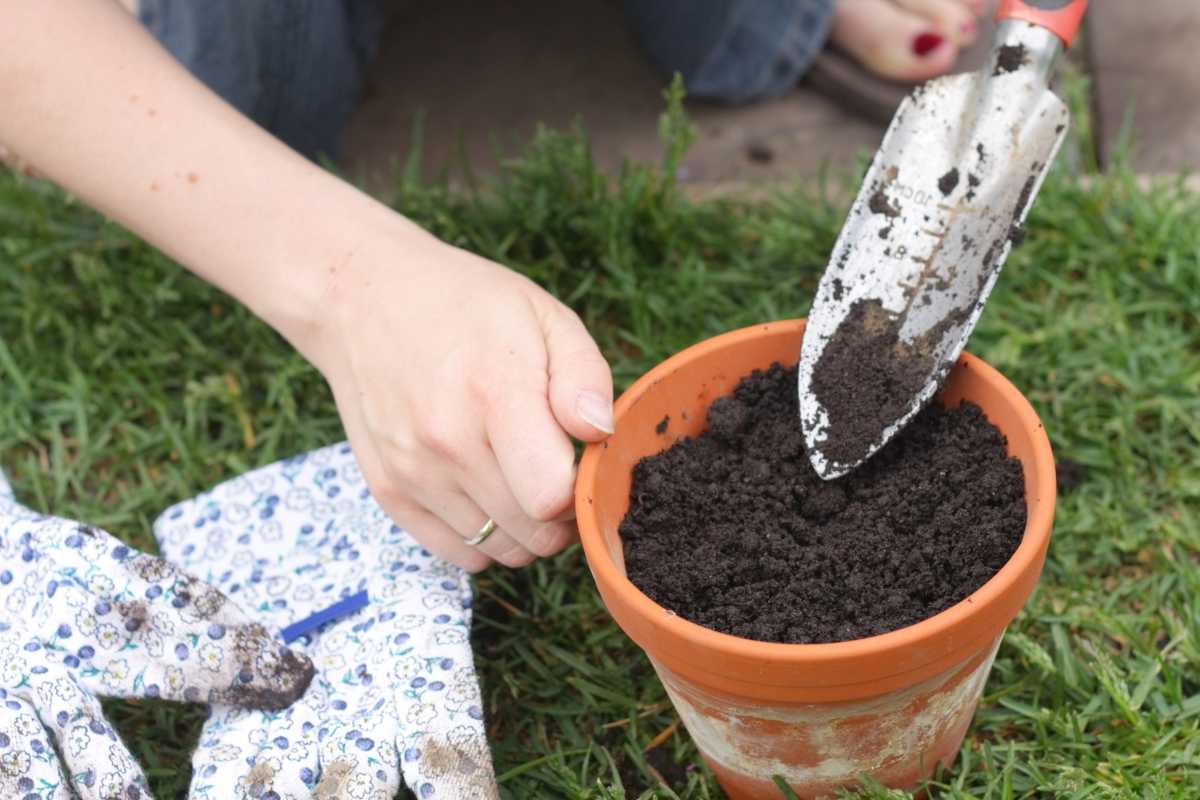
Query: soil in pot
734	531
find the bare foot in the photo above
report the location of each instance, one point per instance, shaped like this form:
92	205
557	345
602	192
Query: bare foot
906	40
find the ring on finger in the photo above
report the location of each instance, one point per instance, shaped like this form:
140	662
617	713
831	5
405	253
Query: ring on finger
488	528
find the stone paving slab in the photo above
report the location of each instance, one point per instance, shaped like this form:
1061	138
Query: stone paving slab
484	74
1145	65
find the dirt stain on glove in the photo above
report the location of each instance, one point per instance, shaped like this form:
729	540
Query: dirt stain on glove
260	779
443	760
135	613
272	676
334	778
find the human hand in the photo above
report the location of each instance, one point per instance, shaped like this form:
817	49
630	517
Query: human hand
395	690
86	616
460	383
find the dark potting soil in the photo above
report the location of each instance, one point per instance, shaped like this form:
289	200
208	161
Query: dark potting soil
948	182
867	375
734	530
1010	58
673	774
1069	474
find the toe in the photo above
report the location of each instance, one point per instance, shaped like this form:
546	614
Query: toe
892	41
954	19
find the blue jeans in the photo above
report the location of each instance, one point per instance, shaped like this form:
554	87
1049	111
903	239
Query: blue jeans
296	67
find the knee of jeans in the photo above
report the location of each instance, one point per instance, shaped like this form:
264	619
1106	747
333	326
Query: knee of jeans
295	68
766	46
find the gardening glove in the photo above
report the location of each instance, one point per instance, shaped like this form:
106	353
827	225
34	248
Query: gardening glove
304	546
85	616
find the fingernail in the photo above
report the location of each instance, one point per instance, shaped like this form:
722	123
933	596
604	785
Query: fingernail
596	410
926	43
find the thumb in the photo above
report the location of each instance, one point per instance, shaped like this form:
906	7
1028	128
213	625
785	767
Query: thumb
581	389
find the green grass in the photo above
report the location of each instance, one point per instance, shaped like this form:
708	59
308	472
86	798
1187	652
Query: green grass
126	385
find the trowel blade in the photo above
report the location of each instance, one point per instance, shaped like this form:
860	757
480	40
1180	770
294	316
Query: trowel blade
938	212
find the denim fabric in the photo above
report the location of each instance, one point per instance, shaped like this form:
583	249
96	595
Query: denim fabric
732	51
295	67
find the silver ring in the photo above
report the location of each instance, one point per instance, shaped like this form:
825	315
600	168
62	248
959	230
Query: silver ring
484	533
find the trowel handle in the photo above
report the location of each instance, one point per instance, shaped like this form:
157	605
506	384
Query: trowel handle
1062	17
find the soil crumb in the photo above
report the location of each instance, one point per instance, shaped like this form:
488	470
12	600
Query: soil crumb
662	425
1070	474
760	153
972	185
1024	197
948	182
879	205
1010	58
734	531
867	375
673	774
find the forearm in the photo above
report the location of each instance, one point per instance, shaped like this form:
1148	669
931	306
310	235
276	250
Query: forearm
95	104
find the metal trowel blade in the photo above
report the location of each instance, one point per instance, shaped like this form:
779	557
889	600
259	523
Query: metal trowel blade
938	212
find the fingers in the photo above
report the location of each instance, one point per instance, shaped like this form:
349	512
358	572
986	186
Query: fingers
444	519
446	501
536	458
488	487
433	533
462	514
580	390
488	439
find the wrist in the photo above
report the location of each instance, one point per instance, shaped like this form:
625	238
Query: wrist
319	264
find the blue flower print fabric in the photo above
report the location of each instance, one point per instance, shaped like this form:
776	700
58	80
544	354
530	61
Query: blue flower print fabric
395	692
84	617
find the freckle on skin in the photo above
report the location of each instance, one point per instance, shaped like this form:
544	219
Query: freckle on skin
133	98
152	112
154	186
192	177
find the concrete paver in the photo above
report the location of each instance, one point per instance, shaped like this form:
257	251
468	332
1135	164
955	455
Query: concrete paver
485	74
1145	69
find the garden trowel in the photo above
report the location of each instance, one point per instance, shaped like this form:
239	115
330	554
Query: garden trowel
941	206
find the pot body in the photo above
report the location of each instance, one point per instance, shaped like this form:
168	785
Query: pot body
894	706
898	738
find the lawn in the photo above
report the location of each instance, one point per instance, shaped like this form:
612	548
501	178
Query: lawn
127	385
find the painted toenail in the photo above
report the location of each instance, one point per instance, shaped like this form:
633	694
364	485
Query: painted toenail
924	44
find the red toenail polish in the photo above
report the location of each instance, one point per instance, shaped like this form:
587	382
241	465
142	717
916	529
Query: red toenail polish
926	42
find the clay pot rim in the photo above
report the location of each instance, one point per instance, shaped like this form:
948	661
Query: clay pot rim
1033	541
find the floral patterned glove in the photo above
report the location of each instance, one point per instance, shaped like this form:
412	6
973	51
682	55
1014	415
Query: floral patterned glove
46	713
86	616
305	548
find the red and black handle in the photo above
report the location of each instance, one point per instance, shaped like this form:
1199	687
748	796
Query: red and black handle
1061	17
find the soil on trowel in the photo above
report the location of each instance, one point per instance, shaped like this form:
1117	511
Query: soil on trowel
867	375
948	182
1010	58
734	530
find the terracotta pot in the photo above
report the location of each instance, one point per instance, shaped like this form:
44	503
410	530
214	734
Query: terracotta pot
893	706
